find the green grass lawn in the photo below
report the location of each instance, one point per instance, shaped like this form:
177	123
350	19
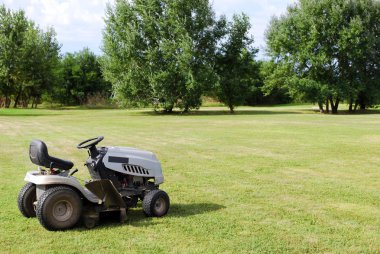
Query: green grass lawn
265	180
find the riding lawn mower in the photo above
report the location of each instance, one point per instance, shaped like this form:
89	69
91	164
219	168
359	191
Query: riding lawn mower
121	176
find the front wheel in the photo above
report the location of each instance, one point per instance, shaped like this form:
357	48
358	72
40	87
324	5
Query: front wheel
59	208
26	197
156	203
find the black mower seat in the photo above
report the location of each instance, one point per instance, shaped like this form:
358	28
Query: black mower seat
39	155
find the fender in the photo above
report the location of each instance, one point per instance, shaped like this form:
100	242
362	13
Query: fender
42	180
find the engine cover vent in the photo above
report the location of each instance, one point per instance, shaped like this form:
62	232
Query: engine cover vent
136	169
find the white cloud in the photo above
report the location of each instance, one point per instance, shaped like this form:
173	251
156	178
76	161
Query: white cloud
79	23
7	2
260	13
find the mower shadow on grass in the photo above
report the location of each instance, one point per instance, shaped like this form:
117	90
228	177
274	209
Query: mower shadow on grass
136	218
185	210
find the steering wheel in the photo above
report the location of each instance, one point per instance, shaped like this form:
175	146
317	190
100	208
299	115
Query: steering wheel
90	142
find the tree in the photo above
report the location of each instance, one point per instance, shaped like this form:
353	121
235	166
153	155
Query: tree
28	59
331	47
236	67
41	58
270	88
13	26
81	77
160	49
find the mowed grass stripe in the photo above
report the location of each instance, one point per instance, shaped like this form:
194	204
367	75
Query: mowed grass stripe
272	180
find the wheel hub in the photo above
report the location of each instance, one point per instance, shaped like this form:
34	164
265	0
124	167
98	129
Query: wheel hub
160	205
62	210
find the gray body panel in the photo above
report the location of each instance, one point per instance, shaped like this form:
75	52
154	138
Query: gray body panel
137	160
43	180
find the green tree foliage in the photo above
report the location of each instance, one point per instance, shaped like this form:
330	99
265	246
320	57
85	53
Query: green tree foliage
81	77
13	27
160	49
236	67
42	59
28	59
327	51
270	89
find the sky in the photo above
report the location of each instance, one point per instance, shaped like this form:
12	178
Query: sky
79	23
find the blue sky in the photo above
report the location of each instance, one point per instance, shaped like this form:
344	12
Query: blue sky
79	23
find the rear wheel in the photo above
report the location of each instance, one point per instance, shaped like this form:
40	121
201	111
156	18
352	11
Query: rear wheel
156	203
59	208
26	197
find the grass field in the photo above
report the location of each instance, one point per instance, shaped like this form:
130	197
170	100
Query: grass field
265	180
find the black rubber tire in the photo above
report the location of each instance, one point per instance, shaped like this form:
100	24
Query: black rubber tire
59	208
26	197
156	203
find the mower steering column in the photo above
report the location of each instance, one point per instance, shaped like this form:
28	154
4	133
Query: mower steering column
93	151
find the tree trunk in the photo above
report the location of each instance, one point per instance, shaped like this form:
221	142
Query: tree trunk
356	105
36	99
17	97
231	107
7	103
33	102
362	106
350	107
327	106
320	105
169	108
334	106
25	102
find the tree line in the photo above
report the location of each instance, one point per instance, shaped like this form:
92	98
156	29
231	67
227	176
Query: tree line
28	57
327	52
32	69
174	51
321	51
171	53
